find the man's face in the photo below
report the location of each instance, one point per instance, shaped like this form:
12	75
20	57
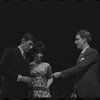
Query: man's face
28	45
79	42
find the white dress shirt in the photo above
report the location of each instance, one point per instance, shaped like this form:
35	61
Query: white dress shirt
84	49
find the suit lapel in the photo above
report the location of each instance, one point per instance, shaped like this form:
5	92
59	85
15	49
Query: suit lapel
87	50
83	55
20	56
24	64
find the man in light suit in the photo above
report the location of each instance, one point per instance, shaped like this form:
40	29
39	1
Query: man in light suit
14	66
87	69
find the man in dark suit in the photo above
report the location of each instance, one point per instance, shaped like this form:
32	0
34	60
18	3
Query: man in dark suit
86	70
14	67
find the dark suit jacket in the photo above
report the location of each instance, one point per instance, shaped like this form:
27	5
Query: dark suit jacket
11	65
87	74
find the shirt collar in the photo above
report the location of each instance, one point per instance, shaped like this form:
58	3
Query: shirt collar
84	49
21	50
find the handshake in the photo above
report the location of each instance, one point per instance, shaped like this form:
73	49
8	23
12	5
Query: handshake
56	75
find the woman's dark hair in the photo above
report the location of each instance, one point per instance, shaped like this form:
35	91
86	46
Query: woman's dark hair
39	47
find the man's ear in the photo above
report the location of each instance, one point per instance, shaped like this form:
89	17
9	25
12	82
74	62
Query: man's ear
23	41
85	40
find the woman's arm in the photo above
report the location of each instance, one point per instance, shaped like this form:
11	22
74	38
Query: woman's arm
49	82
50	78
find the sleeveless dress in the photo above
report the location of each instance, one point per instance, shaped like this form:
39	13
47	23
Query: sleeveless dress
40	76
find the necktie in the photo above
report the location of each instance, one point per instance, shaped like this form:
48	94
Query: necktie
24	56
81	55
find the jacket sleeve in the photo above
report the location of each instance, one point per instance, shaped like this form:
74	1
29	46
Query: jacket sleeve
90	59
5	64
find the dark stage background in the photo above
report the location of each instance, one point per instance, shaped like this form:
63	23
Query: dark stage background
55	23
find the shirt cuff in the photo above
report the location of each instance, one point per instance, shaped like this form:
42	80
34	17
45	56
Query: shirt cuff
19	77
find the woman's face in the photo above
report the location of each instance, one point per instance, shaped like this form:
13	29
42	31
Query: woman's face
38	57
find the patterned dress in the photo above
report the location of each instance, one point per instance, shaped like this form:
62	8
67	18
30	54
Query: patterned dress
41	73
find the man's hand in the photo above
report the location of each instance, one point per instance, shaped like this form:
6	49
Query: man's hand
56	74
26	79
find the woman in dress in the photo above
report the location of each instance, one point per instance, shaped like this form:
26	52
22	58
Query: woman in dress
41	73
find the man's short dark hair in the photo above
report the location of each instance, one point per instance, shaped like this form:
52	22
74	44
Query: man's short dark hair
85	34
29	36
